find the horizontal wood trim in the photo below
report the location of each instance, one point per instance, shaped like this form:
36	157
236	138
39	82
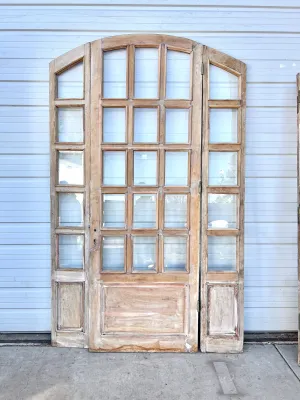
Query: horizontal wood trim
224	147
69	231
69	276
223	190
224	103
212	277
70	189
69	102
145	279
69	146
223	232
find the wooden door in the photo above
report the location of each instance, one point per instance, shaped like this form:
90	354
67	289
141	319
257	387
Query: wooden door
145	206
126	121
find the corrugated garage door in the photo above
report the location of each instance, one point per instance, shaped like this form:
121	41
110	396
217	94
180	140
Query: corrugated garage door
33	35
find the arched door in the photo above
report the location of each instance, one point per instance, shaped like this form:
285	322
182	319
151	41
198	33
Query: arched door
128	168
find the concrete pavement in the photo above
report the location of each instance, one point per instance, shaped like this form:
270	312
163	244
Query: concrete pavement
262	372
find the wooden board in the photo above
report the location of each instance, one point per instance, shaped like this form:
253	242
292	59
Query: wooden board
298	180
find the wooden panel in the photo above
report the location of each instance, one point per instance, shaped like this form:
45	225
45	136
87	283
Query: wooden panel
70	306
222	310
159	310
298	182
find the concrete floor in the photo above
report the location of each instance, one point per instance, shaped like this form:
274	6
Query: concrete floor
262	372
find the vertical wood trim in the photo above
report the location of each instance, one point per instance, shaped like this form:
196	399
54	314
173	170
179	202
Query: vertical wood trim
298	215
53	174
195	174
95	193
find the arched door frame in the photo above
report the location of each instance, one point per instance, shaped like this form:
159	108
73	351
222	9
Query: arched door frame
75	292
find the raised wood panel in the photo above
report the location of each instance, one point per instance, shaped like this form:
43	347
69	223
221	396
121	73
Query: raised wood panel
158	310
222	310
70	306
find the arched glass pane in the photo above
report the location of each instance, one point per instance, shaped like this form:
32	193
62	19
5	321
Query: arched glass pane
114	79
223	125
222	84
70	83
146	73
178	75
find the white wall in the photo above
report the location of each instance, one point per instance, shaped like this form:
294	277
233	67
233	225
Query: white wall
265	37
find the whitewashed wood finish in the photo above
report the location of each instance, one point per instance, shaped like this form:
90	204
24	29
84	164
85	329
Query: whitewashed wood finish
272	57
298	179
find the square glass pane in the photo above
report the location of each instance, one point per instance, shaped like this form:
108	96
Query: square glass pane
177	125
145	168
223	125
175	210
222	84
114	168
113	208
70	209
222	210
144	210
222	170
114	125
145	125
175	253
114	76
221	253
176	168
113	253
70	251
70	167
178	75
144	253
70	83
70	124
146	73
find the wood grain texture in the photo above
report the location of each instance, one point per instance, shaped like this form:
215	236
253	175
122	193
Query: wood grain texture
70	306
298	193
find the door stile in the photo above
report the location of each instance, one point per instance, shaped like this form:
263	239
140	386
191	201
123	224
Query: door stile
298	208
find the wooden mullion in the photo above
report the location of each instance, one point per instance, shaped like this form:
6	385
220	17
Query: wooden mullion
222	276
70	231
178	103
69	146
222	147
130	71
69	102
224	103
162	71
222	232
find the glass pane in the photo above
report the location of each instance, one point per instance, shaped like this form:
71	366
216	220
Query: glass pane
144	253
70	83
222	84
146	73
176	171
70	124
221	253
145	125
114	79
222	168
113	253
113	211
175	210
175	253
70	207
222	211
145	164
114	125
70	167
177	126
144	210
70	251
178	75
114	168
223	125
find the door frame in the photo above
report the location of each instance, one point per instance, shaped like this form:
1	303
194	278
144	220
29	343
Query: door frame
79	288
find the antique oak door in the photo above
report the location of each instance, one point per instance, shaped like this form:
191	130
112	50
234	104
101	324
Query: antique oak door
146	131
145	158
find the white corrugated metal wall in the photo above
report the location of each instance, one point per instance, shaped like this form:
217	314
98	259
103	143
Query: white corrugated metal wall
265	35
